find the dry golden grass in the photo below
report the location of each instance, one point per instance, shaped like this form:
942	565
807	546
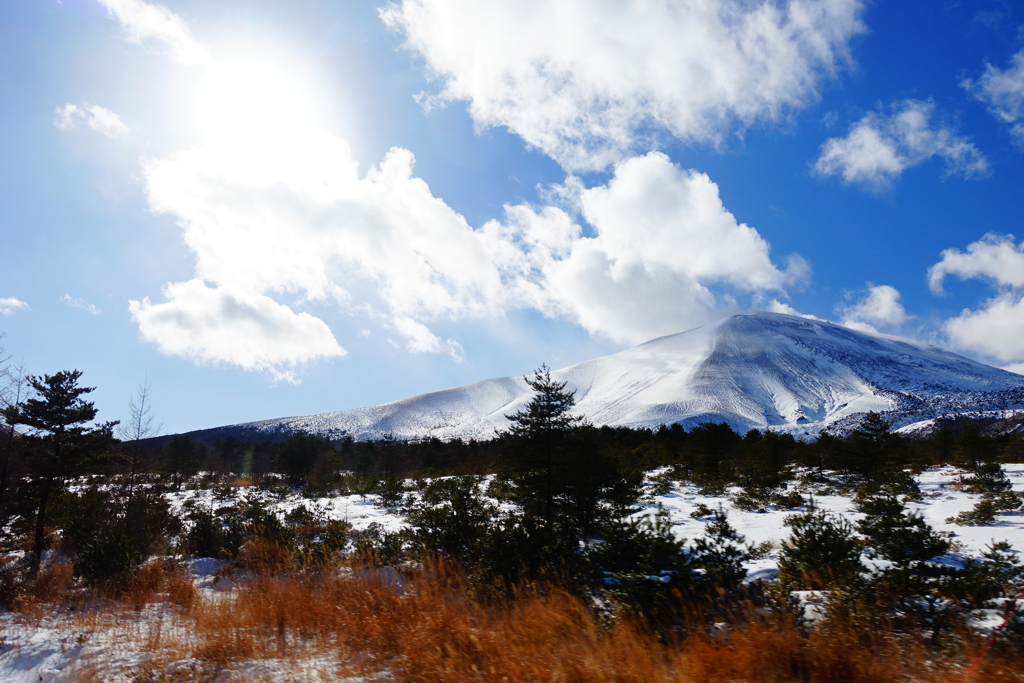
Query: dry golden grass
431	627
427	630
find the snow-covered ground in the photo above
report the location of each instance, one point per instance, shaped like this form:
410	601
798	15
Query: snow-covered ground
112	646
125	646
940	489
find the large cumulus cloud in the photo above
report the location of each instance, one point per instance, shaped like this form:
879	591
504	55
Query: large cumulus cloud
589	83
651	251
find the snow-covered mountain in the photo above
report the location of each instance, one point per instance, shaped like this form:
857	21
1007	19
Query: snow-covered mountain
759	370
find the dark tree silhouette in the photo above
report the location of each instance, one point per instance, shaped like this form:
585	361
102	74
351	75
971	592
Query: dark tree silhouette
14	390
297	455
58	445
538	431
181	459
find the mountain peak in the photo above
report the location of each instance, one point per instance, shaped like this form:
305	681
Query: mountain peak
755	370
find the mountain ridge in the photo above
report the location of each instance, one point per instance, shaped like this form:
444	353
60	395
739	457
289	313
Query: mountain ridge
753	371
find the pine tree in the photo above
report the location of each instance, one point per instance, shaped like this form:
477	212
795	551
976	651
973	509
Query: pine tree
60	445
872	450
538	432
896	535
979	454
181	459
297	455
721	552
822	551
710	449
970	449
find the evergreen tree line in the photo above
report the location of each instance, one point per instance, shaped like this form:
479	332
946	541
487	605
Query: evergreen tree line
559	508
712	455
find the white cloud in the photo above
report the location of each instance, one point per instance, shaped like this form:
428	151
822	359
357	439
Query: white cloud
9	304
880	147
80	303
997	327
993	257
291	214
100	119
590	83
223	325
419	338
68	116
295	216
144	23
662	239
878	308
776	306
1003	91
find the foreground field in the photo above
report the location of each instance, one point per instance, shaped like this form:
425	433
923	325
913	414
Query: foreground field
208	620
377	625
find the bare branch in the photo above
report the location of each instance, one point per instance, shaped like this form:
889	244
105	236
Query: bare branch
141	423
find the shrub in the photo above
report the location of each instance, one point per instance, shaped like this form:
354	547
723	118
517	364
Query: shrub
111	555
451	518
822	551
647	571
982	514
376	545
896	535
702	510
989	477
720	553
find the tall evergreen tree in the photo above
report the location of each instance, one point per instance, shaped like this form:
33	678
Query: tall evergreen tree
59	444
872	450
710	449
971	449
538	432
13	391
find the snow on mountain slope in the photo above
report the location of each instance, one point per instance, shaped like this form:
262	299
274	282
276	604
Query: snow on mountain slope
759	370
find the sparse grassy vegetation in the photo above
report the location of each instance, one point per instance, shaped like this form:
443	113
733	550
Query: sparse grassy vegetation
432	625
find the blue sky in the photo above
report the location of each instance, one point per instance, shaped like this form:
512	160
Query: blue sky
280	208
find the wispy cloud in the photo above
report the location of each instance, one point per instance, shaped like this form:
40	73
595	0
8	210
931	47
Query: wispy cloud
880	147
592	83
100	119
1003	91
80	303
776	306
147	23
8	305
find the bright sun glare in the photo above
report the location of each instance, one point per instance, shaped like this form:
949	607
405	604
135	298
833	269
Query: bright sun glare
254	98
